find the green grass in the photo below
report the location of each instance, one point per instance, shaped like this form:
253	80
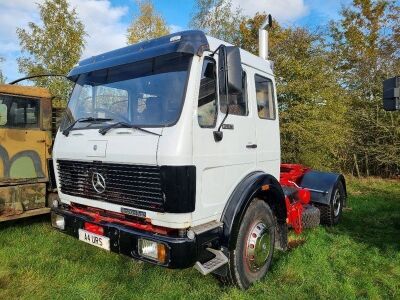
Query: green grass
360	258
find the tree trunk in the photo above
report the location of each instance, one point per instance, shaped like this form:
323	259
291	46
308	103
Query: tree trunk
356	165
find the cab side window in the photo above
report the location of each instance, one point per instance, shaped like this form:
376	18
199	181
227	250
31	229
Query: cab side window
207	103
17	112
265	98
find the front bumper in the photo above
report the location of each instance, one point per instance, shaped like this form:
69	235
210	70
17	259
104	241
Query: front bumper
182	252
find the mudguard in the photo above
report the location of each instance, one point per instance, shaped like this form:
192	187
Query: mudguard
321	185
245	191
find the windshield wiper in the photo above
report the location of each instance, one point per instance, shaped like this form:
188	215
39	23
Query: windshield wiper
104	130
90	119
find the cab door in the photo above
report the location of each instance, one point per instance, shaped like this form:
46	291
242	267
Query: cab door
22	142
267	123
221	165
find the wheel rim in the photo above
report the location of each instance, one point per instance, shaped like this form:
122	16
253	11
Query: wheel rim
258	246
336	203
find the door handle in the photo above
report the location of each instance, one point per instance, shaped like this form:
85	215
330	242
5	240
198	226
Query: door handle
251	146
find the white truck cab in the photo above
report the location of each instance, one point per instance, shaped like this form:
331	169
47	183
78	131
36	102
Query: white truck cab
169	152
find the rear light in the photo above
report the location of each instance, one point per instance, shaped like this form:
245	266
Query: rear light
304	196
93	228
57	221
152	250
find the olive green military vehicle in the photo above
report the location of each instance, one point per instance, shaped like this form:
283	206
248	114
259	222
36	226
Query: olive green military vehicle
27	124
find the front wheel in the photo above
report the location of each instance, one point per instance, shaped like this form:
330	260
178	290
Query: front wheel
255	243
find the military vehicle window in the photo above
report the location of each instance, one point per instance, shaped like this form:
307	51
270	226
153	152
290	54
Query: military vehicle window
238	102
207	104
3	114
265	98
19	112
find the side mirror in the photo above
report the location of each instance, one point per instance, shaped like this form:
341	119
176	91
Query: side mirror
230	79
391	94
218	135
230	70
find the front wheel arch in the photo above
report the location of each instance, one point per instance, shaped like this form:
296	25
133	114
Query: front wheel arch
256	185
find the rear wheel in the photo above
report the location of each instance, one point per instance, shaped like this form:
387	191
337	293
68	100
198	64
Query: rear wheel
332	213
251	258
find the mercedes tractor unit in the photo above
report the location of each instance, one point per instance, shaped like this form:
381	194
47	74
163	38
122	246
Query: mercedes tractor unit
169	153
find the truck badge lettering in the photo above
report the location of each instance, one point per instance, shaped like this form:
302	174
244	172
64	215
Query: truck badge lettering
133	212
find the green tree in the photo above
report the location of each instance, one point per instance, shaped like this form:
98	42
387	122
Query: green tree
329	85
311	102
53	47
217	18
2	77
313	106
366	43
147	25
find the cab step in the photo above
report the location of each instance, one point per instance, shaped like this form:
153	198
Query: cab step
218	261
199	229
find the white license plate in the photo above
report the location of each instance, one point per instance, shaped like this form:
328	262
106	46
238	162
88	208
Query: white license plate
94	239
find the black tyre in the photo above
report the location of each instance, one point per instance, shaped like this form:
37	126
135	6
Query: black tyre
310	217
255	242
332	213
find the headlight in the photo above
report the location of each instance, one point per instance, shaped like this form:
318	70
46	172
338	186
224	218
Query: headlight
57	221
152	250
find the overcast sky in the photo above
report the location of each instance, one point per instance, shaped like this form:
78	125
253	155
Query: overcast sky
106	20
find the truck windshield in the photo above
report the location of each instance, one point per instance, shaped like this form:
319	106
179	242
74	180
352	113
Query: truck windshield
148	93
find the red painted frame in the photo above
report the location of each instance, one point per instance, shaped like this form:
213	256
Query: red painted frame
291	175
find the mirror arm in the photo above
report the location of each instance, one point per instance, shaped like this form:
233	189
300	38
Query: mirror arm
36	76
223	120
218	135
216	50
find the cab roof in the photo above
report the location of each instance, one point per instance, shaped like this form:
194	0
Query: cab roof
28	91
192	42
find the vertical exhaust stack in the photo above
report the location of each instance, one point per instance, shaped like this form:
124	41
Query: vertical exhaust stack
263	38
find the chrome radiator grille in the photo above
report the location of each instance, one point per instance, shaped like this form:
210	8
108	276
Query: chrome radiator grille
131	185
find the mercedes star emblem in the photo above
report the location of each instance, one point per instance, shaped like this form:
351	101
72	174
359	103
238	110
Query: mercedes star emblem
98	182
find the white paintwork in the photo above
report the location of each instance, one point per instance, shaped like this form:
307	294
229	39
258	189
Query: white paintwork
219	166
267	132
96	148
133	146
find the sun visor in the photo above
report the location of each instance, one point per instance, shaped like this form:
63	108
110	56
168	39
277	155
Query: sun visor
192	42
